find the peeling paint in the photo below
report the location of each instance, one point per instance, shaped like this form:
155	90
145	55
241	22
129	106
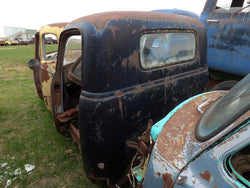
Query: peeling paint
117	97
206	176
168	179
43	76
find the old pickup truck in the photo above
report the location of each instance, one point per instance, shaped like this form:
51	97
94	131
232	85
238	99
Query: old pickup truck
115	71
227	24
9	41
45	60
5	41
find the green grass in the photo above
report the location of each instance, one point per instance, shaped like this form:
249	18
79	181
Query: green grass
51	48
27	131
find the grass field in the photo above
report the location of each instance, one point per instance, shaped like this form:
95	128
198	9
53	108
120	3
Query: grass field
27	132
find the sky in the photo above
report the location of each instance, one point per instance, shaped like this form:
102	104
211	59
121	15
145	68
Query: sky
32	14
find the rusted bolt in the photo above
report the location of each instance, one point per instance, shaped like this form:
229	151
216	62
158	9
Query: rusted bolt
101	166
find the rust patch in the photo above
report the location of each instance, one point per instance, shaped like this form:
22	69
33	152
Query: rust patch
171	141
120	107
56	97
44	75
139	89
45	100
118	93
60	25
168	179
175	99
75	135
139	146
138	114
68	115
206	176
143	27
113	29
133	60
100	20
124	63
55	29
134	31
38	83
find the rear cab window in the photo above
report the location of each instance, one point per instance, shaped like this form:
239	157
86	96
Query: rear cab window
233	6
166	48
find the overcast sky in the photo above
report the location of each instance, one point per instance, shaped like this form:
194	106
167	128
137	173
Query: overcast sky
32	14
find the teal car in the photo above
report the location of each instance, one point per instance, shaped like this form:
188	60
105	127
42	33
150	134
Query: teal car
203	142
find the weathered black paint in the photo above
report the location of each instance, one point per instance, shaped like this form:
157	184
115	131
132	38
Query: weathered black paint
117	95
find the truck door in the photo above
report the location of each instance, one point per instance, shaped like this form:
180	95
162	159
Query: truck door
65	84
48	55
228	32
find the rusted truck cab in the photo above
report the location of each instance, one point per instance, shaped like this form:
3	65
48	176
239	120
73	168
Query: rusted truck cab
227	24
123	68
44	63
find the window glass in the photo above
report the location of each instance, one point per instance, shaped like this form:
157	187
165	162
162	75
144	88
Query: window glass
161	49
73	49
75	73
223	112
223	4
246	6
77	70
50	46
233	5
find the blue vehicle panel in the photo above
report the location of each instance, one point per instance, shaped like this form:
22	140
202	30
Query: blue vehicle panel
228	32
207	170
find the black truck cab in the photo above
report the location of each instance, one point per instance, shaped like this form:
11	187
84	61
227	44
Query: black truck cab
117	70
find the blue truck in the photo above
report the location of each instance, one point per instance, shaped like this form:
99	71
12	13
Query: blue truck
227	25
